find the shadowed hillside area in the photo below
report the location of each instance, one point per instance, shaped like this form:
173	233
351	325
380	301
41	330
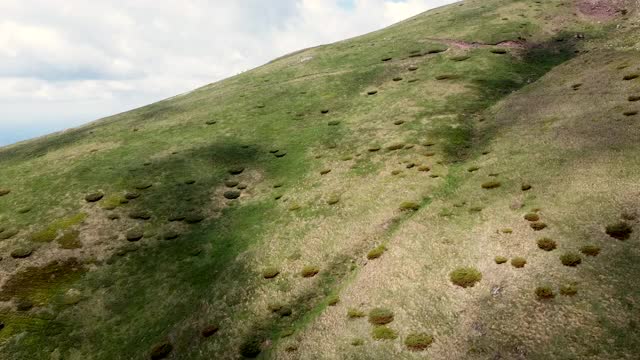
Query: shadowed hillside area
461	185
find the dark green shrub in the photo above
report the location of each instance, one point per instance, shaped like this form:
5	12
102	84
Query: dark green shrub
525	187
134	235
280	309
590	250
396	172
532	217
310	271
374	148
194	218
409	206
355	313
397	78
399	122
241	186
210	330
631	76
491	184
380	316
570	259
140	215
544	293
22	252
376	252
161	350
620	230
537	226
270	272
634	98
280	153
465	276
251	347
568	289
231	194
231	183
93	197
547	244
324	111
418	341
386	59
500	260
4	192
372	92
236	170
382	332
499	51
518	262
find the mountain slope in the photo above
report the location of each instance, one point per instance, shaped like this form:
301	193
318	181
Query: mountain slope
247	210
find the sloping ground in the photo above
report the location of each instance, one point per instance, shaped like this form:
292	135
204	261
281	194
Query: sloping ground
240	219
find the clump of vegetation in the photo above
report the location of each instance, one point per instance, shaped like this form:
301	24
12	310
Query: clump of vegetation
491	184
380	316
633	98
372	92
193	218
499	51
459	58
270	272
93	197
620	230
545	292
47	235
236	170
374	148
355	313
568	290
251	347
465	276
525	187
507	231
446	77
131	195
142	185
376	252
69	240
382	332
280	309
310	271
333	122
418	341
231	183
532	217
333	300
209	330
397	78
231	194
500	260
547	244
473	169
518	262
630	113
357	342
409	206
22	252
395	146
424	168
590	250
8	234
134	235
412	68
333	199
140	215
570	259
161	350
631	76
170	234
537	226
4	192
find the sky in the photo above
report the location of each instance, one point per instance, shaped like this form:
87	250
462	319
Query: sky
67	62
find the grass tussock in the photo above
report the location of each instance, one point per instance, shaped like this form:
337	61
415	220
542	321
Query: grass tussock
270	272
532	217
493	184
382	332
409	206
570	259
620	230
418	341
590	250
465	276
544	293
310	271
518	262
355	313
380	316
568	290
376	252
547	244
500	260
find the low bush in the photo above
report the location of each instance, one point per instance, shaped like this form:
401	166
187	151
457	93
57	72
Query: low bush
409	206
380	316
194	218
355	313
376	252
333	300
544	293
134	235
93	197
231	183
383	333
310	271
631	76
4	192
570	259
161	351
140	215
630	113
209	330
499	51
22	252
251	347
537	226
270	272
532	217
518	262
590	250
634	98
547	244
500	260
491	184
236	170
418	341
620	230
568	290
231	194
465	276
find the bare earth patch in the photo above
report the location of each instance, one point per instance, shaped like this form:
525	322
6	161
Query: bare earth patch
600	9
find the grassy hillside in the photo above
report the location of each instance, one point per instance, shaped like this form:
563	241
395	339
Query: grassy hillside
461	185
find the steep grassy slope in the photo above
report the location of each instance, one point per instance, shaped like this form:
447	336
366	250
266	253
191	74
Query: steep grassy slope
239	219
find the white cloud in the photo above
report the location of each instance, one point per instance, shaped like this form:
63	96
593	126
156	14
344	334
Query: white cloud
67	62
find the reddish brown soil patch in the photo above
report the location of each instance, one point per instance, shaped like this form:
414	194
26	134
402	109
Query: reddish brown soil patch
600	9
